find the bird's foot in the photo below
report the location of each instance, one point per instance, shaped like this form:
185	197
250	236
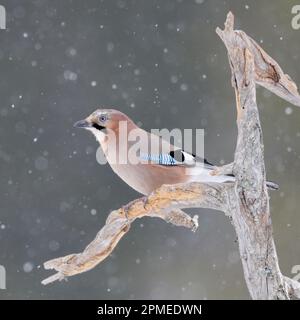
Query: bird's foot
145	201
126	207
227	169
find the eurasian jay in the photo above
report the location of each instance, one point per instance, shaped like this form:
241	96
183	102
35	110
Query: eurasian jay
142	168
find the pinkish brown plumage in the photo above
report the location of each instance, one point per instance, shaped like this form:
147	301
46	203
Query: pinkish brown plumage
114	131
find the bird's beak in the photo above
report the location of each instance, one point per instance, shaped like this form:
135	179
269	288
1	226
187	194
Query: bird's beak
82	124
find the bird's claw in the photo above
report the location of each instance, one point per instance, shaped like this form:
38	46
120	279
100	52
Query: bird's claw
145	201
127	206
126	210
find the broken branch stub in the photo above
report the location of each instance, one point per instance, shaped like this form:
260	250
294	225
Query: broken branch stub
268	73
246	200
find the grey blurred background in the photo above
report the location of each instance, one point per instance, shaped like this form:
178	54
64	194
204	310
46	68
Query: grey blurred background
162	64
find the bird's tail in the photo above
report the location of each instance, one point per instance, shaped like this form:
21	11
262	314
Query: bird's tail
272	185
203	175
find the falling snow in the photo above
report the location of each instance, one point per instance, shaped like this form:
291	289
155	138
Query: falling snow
94	83
28	267
288	110
70	75
164	66
93	212
183	87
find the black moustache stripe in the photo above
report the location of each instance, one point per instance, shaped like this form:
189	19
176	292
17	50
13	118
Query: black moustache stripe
98	127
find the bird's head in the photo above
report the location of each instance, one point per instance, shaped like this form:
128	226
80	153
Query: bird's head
101	121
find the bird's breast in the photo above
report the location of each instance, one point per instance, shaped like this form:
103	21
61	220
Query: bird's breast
145	178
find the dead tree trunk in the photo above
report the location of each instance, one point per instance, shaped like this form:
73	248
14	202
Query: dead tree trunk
249	200
246	201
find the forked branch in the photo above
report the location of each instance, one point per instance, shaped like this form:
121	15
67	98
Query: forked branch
165	203
246	201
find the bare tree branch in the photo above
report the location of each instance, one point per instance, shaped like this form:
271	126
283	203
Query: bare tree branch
249	199
164	203
246	201
268	73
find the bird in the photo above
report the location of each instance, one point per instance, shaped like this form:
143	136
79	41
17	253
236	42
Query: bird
137	164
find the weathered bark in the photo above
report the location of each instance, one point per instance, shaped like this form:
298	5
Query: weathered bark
249	199
246	201
165	203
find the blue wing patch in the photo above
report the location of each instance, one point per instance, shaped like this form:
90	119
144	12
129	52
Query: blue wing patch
162	159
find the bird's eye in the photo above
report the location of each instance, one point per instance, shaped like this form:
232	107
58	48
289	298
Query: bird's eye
103	118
